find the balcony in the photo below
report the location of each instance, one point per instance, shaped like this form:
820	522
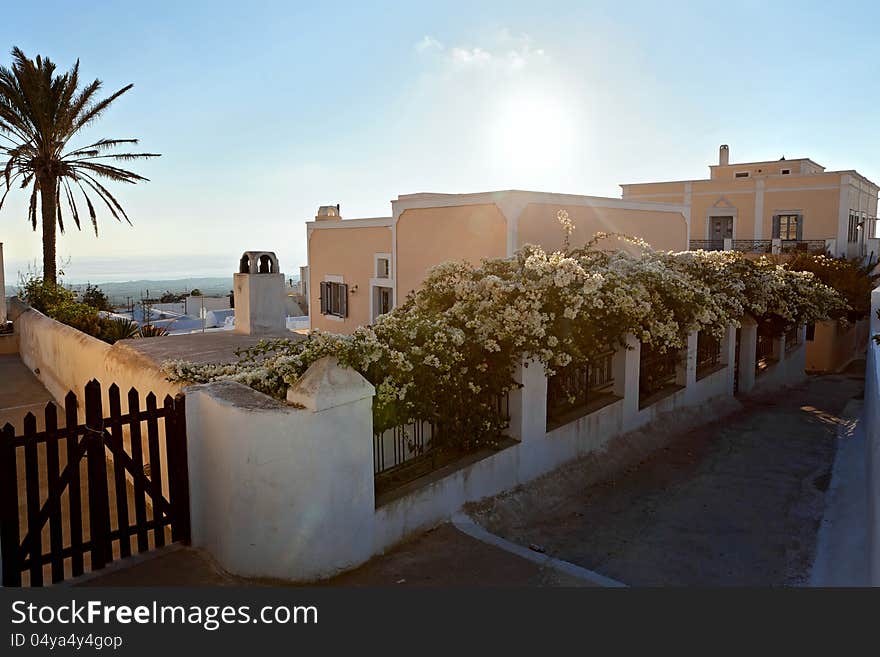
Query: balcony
772	246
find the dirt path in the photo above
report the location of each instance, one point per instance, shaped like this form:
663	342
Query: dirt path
737	502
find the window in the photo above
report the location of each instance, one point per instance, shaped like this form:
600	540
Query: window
383	268
788	226
334	299
852	232
741	174
786	172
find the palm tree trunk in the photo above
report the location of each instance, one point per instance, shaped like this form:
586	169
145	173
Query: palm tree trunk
49	209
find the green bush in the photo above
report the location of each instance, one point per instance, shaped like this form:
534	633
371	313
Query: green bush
60	304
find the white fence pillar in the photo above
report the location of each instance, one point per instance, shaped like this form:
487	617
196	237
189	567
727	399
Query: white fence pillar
626	379
284	491
528	404
728	356
686	371
748	342
779	349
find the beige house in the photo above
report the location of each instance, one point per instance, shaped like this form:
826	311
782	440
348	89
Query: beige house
359	269
775	206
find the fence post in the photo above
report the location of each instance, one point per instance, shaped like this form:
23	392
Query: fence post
686	370
528	404
178	470
99	502
779	348
728	355
748	338
626	379
10	539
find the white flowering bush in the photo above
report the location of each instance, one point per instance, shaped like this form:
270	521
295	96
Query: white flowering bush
448	354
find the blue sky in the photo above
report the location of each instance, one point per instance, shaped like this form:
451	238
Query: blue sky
265	110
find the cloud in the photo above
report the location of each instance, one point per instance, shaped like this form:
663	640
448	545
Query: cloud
502	50
428	43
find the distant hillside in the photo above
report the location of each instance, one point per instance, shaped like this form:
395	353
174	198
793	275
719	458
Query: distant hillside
120	292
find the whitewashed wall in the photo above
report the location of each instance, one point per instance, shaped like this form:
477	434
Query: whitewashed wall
871	423
288	492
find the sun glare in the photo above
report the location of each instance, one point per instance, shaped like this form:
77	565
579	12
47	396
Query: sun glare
534	129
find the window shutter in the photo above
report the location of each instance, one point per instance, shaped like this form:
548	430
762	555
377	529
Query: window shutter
800	227
343	300
776	226
324	292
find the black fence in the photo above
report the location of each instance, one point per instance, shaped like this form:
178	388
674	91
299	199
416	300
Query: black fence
578	388
707	245
708	353
803	246
792	338
409	451
64	533
763	350
753	246
657	371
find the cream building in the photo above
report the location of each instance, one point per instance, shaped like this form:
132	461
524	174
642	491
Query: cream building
773	206
359	269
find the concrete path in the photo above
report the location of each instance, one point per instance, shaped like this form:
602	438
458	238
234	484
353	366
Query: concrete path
737	502
442	557
20	393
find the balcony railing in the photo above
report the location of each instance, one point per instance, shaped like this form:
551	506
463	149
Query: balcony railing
707	245
753	246
761	246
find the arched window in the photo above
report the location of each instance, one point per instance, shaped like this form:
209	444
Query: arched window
244	265
265	265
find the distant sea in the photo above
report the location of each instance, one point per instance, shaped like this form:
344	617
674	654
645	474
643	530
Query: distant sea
123	278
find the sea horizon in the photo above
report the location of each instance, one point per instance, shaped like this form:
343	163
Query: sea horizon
130	276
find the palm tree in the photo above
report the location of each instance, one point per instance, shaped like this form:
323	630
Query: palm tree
40	112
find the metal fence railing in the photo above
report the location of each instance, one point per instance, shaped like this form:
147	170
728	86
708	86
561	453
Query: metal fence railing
763	351
405	452
792	338
708	353
707	245
657	370
577	387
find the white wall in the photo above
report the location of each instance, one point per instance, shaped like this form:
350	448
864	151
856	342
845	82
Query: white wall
65	359
287	491
871	420
278	491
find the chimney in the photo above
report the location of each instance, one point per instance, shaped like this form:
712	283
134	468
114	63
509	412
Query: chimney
724	155
258	295
328	213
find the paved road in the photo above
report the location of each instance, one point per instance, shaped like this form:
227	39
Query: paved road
443	557
737	502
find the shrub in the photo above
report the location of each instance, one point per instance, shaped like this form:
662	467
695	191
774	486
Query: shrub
119	328
450	350
95	297
852	279
150	331
59	303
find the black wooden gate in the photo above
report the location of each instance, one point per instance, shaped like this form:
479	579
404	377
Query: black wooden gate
74	459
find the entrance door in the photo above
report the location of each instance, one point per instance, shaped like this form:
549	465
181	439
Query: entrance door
719	229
